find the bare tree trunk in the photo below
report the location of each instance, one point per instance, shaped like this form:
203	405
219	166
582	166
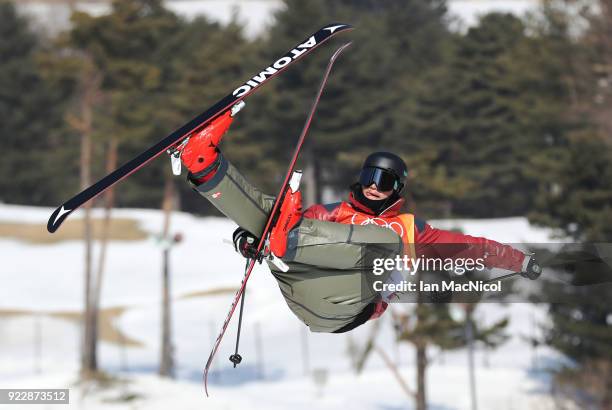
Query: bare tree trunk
109	196
370	344
166	367
88	357
90	86
469	330
421	355
395	372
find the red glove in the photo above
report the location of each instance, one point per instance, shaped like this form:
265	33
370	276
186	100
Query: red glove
200	153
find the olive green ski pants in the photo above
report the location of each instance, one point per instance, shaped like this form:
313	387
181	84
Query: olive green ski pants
327	261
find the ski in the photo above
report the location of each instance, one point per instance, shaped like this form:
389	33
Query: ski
301	49
273	213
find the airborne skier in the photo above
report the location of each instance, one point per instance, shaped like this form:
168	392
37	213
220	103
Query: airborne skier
325	244
323	250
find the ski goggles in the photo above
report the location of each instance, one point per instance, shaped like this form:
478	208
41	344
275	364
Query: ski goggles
384	180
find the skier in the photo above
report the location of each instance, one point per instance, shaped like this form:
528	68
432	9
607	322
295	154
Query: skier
327	247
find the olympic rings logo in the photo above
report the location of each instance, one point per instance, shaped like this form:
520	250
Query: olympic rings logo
396	227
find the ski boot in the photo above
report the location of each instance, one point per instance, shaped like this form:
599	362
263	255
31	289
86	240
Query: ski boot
199	152
289	215
275	245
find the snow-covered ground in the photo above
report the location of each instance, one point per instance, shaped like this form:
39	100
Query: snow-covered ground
276	373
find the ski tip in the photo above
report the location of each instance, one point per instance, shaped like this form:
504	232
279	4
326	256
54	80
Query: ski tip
335	27
57	217
339	50
345	45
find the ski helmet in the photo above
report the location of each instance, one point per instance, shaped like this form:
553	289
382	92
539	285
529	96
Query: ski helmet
384	169
388	172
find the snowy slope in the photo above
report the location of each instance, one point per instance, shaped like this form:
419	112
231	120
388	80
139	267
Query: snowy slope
47	278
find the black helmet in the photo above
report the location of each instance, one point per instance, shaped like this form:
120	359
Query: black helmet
386	170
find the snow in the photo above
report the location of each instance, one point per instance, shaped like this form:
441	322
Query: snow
515	230
255	15
48	278
469	11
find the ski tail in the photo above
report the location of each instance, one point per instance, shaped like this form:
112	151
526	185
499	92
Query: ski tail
245	89
273	213
57	217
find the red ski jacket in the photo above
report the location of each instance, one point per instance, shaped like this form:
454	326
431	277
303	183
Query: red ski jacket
428	241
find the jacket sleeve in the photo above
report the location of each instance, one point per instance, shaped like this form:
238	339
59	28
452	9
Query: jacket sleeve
322	212
432	242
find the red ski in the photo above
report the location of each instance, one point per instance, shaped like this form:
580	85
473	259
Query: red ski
273	214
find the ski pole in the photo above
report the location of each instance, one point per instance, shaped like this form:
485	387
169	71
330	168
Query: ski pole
503	277
236	358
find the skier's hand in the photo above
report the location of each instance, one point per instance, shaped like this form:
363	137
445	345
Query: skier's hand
531	268
245	243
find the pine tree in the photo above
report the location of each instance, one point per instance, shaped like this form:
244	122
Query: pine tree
576	189
481	119
393	42
30	118
575	197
